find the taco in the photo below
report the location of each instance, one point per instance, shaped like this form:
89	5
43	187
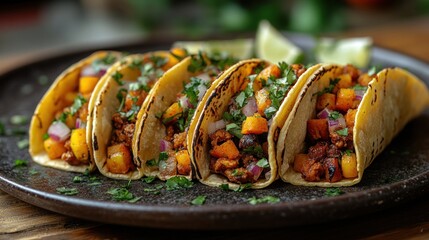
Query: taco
234	141
119	105
342	120
176	100
61	120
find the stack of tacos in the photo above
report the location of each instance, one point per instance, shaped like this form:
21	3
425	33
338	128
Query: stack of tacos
61	120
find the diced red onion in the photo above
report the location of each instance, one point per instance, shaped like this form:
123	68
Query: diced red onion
336	124
59	131
164	145
324	113
268	175
359	94
184	102
214	126
80	124
201	91
205	77
250	108
255	170
101	72
88	71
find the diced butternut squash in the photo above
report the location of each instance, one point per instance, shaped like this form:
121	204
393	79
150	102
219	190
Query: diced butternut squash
87	84
353	71
254	125
350	117
225	150
119	159
299	161
78	144
71	121
53	148
345	99
317	129
69	98
349	165
183	162
326	100
364	79
136	98
271	70
172	113
263	100
344	82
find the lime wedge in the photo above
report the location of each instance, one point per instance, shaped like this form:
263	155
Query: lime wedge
238	48
273	46
356	51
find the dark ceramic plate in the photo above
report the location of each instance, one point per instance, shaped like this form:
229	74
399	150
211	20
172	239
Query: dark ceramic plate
400	173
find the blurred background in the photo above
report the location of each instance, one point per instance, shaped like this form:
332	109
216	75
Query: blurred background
39	26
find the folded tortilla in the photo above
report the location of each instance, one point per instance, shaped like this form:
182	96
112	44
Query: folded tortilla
54	101
393	98
217	103
150	127
117	79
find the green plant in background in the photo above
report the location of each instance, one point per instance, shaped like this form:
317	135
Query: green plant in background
201	17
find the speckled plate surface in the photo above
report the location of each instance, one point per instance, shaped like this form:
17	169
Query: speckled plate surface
399	174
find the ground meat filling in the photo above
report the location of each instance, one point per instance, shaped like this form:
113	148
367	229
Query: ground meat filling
330	156
123	130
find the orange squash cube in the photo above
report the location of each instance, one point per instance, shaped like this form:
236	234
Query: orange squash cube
345	82
53	148
87	84
345	99
317	129
364	79
254	125
349	165
78	144
119	159
326	100
172	114
225	150
183	162
271	70
350	117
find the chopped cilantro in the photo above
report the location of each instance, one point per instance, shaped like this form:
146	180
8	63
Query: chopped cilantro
23	143
63	117
19	119
117	76
132	113
20	163
163	156
236	172
374	70
347	152
240	99
334	115
79	101
121	97
151	163
109	59
234	116
154	190
178	182
243	187
270	111
266	199
135	64
198	63
122	194
263	163
330	88
343	132
221	60
255	151
148	179
331	192
199	200
33	171
358	87
224	186
45	136
77	179
234	129
67	191
159	61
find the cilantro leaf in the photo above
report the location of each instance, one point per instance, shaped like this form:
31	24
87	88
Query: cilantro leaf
224	186
266	199
123	194
19	119
263	163
117	76
67	191
334	115
178	182
255	151
79	101
199	200
343	132
331	192
243	187
234	129
20	163
24	143
148	179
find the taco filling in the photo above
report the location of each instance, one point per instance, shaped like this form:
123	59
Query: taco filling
239	141
66	136
330	155
174	157
131	96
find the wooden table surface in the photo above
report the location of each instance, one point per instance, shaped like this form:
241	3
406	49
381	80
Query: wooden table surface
409	220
